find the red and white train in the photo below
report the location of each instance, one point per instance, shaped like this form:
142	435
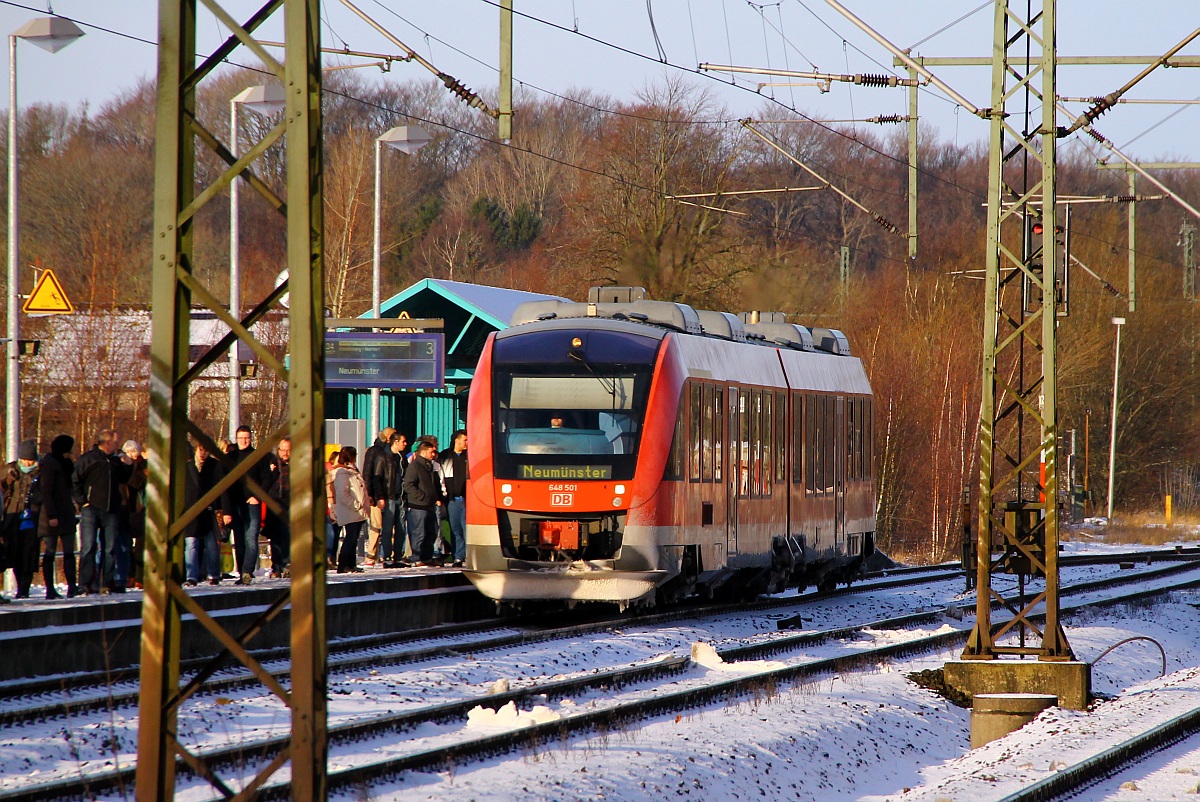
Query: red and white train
635	451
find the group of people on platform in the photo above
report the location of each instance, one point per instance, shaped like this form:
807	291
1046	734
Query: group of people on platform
94	507
94	510
402	499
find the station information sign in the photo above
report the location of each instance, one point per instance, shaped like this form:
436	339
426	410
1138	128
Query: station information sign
365	360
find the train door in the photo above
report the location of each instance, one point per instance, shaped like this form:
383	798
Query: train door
733	471
839	474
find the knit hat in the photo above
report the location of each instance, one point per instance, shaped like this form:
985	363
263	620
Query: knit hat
27	450
386	434
62	444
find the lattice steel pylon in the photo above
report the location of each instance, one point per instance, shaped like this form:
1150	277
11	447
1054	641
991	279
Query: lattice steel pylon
1018	512
175	289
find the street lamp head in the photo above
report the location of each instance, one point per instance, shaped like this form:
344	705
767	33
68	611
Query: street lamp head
1120	321
49	33
266	99
406	138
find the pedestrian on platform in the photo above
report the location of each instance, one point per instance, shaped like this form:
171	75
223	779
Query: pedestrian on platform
202	554
278	485
247	511
349	508
56	522
373	464
454	474
422	494
21	488
96	485
394	533
133	512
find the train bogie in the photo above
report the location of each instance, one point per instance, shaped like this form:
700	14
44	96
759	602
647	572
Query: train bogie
636	451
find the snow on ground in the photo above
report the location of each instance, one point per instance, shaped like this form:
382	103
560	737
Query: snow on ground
872	736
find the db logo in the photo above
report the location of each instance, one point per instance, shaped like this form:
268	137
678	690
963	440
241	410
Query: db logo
561	499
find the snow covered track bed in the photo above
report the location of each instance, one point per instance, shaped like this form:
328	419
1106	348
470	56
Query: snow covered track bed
649	664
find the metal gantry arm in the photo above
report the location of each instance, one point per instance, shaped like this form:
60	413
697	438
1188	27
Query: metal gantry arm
175	288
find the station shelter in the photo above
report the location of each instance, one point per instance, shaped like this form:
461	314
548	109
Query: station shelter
470	313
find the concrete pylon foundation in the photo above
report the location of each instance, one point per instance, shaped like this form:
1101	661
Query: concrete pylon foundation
1070	681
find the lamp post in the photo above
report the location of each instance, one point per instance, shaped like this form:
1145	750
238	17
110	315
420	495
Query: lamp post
264	100
406	139
1112	445
51	34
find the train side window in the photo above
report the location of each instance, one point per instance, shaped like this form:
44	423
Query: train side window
851	439
694	430
718	407
797	461
830	447
868	438
810	444
768	441
706	451
781	442
744	444
755	443
674	470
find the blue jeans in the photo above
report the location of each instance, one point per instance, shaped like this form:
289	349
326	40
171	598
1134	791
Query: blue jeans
331	540
99	544
422	530
391	531
202	547
246	523
458	527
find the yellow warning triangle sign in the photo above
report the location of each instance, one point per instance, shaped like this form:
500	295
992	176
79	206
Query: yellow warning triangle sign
48	297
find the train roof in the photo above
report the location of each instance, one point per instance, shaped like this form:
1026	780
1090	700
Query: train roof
630	305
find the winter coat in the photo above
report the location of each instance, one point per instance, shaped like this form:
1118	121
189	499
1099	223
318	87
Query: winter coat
387	480
15	486
240	493
97	480
57	504
422	488
278	476
372	463
197	484
349	496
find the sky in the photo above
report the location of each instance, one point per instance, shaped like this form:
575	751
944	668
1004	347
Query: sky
610	47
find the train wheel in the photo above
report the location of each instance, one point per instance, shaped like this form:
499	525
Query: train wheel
827	585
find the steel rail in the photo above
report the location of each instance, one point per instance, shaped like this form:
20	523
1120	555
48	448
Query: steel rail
1103	765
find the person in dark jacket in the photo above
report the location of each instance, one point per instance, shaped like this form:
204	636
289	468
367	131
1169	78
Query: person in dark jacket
247	511
56	521
423	494
96	485
21	489
386	490
454	476
202	554
374	463
278	474
133	512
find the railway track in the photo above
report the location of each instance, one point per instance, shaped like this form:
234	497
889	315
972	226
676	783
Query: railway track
343	653
610	716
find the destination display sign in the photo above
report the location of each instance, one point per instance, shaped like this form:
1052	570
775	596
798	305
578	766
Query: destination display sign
365	360
566	471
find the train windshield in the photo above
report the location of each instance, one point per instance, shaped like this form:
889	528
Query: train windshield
570	427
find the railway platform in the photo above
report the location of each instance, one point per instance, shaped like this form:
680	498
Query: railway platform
41	638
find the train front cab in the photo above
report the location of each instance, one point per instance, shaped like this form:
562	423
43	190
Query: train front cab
567	481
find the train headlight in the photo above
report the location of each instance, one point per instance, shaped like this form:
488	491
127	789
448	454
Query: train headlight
508	501
619	490
506	488
617	501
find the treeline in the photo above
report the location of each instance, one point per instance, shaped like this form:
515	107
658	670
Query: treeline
590	192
